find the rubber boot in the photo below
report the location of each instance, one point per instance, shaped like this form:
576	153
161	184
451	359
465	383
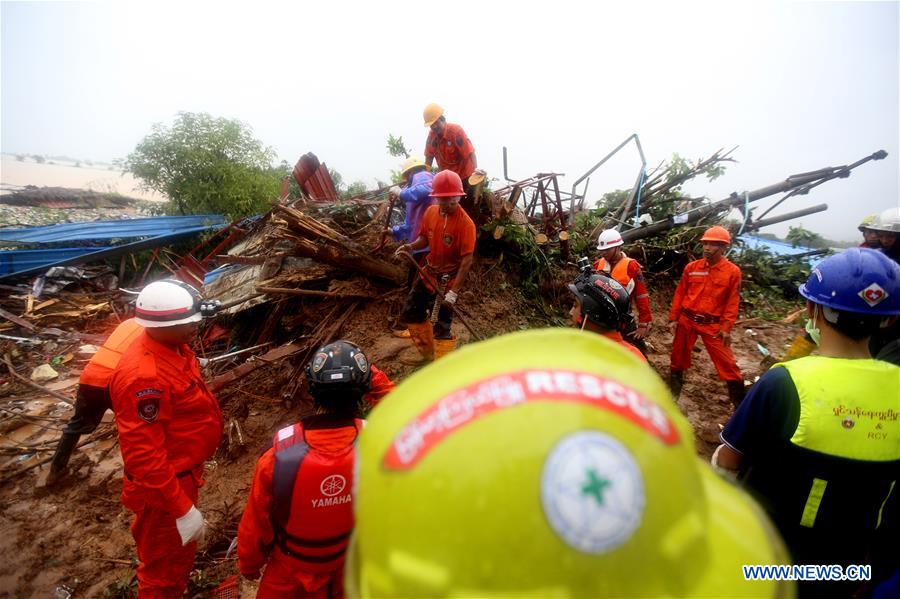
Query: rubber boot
422	336
442	347
736	392
676	382
800	347
59	464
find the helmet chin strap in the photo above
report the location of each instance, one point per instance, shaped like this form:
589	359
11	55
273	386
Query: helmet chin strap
583	321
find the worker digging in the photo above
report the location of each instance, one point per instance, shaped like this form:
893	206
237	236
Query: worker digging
528	448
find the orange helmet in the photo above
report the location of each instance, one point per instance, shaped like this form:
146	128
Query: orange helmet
447	184
717	233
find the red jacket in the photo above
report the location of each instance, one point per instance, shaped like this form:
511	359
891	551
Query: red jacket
301	502
627	271
169	423
453	150
709	290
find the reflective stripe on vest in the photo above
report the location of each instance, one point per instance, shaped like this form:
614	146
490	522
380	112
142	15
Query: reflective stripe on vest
312	503
100	368
848	408
619	272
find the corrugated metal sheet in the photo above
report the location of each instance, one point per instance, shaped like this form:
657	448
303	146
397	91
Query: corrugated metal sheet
111	252
113	229
315	179
23	260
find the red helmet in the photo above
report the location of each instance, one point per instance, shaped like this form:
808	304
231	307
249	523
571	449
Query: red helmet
447	184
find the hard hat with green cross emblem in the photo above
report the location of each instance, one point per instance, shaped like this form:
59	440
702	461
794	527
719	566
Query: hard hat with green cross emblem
546	464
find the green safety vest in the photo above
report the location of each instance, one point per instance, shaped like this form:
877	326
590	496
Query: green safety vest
827	487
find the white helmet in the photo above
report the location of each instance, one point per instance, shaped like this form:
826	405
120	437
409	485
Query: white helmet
166	304
609	238
888	221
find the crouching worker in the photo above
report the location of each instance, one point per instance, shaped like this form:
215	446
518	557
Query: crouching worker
299	516
602	306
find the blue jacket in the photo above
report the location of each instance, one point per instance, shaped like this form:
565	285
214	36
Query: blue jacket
417	198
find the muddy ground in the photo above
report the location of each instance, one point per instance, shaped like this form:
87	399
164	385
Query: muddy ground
75	537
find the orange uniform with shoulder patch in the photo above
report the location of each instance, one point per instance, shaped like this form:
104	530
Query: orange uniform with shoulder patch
169	424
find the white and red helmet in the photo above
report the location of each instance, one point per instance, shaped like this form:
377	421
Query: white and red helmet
609	238
166	304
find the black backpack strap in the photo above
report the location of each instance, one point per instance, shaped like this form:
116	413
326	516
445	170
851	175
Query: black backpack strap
287	464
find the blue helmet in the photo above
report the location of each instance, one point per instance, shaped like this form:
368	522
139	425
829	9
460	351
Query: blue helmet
856	280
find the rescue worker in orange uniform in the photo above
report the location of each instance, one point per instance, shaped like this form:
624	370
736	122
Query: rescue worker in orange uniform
299	515
450	146
92	398
706	305
449	235
169	424
613	262
602	306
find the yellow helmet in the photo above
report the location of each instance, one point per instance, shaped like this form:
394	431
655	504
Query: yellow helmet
411	163
546	463
432	113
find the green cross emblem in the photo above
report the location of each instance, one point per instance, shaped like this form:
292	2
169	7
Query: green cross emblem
595	486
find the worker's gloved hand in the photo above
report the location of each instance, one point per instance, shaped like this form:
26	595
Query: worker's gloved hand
642	331
395	191
450	297
191	526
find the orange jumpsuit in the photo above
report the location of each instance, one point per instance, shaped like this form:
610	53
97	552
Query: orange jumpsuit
706	302
299	515
169	424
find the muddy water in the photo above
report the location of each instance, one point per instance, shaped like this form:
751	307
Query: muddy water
97	178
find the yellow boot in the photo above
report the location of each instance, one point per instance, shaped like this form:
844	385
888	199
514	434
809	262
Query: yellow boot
442	347
422	336
800	347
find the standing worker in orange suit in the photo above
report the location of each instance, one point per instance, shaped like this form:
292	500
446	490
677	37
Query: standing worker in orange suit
451	147
613	262
169	424
92	399
299	515
449	235
706	305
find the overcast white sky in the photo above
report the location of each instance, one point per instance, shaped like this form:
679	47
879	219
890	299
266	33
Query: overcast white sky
797	85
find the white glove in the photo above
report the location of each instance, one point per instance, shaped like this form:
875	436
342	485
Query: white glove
395	191
191	526
450	297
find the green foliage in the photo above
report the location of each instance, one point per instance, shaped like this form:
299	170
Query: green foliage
206	164
344	190
804	237
534	265
396	148
770	282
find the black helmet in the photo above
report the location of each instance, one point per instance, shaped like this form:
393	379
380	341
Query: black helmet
603	301
339	368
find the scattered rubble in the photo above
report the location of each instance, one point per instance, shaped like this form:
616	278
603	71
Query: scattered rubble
302	275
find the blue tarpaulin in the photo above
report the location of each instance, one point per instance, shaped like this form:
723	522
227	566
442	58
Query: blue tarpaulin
147	233
112	229
779	248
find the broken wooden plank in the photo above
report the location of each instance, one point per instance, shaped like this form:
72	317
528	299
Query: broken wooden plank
252	364
16	320
311	292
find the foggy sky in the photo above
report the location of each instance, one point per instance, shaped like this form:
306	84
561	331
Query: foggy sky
798	86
